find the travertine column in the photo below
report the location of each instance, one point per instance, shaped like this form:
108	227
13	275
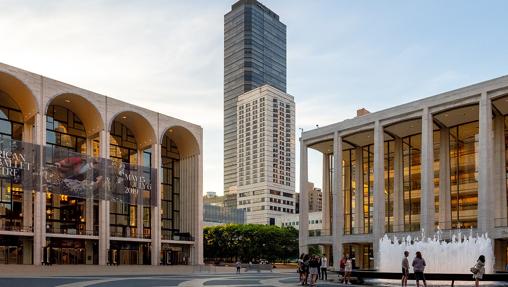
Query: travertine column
27	202
427	174
499	172
485	222
359	191
445	215
89	201
304	200
104	206
379	195
326	230
338	200
199	222
398	191
40	198
155	209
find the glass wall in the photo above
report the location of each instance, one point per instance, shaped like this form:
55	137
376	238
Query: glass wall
389	156
65	138
170	193
349	187
464	175
11	193
411	181
123	149
368	186
437	145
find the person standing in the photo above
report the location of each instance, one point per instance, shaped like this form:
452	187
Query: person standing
478	270
419	267
314	268
324	267
347	270
405	268
238	266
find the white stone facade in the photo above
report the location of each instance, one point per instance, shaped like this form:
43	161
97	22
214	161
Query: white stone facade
33	94
435	162
266	154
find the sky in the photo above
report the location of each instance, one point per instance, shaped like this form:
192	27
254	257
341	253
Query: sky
341	55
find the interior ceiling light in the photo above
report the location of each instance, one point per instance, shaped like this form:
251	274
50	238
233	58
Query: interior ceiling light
124	117
67	100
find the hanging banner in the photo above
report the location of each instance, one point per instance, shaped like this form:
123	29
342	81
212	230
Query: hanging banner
19	163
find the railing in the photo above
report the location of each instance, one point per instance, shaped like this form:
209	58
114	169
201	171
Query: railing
17	228
501	222
132	234
357	231
319	232
184	236
73	231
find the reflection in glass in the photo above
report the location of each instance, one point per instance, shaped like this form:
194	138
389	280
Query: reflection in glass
464	175
349	187
389	155
411	181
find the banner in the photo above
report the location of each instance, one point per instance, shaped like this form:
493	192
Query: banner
65	172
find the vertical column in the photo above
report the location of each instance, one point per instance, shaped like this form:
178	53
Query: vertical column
427	174
304	199
500	172
199	222
326	230
445	215
155	206
338	200
104	206
358	191
89	201
485	165
27	202
39	202
139	206
398	192
379	195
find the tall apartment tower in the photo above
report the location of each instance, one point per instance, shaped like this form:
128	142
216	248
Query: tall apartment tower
266	154
254	55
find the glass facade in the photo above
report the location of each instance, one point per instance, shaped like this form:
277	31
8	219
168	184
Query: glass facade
411	181
368	187
11	192
464	175
389	155
254	55
65	135
170	192
349	190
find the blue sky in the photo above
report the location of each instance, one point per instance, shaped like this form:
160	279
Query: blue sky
342	55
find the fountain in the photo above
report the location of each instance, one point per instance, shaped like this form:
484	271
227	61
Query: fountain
455	256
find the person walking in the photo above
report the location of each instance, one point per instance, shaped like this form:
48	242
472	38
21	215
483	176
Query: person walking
478	270
419	267
348	268
342	265
300	268
324	267
306	262
313	269
238	266
405	268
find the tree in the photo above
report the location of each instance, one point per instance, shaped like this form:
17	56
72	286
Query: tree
248	242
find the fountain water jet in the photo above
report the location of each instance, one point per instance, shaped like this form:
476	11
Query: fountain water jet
455	256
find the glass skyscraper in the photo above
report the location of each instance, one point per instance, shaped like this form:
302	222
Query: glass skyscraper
254	55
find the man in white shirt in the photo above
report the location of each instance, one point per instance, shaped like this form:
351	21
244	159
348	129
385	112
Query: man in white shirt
405	268
324	267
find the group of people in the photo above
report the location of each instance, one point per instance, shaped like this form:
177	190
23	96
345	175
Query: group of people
419	265
312	265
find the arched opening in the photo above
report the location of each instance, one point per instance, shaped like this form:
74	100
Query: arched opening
17	109
131	138
72	140
179	190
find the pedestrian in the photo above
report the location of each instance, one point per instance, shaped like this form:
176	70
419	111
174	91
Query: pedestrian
348	268
238	266
405	268
319	267
313	269
306	262
478	270
342	265
419	267
300	267
324	267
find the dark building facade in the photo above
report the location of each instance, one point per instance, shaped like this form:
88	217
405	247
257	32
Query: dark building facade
254	55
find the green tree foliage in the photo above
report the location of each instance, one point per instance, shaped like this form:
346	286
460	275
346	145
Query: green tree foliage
249	242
